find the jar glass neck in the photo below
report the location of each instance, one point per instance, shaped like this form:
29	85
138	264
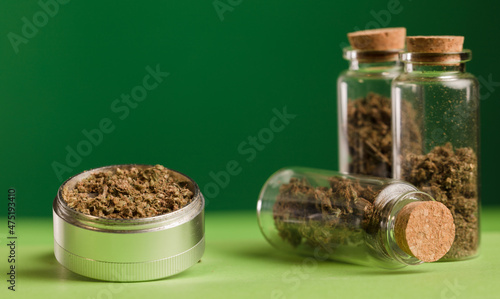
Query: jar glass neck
432	63
355	65
371	60
410	67
388	204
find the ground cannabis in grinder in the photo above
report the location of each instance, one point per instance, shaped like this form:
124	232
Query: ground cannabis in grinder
129	193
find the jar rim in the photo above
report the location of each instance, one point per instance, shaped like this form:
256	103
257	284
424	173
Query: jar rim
436	58
118	225
371	55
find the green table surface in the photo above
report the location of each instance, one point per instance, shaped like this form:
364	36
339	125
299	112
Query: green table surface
238	262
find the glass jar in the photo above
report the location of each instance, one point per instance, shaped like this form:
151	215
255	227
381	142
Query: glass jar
436	137
352	218
364	111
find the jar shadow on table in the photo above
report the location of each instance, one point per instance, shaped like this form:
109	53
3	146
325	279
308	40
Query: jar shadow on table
257	252
266	254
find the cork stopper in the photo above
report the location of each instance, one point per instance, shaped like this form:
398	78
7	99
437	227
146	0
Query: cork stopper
435	44
425	230
378	39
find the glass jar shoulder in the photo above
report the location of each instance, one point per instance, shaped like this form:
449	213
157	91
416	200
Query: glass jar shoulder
369	74
432	77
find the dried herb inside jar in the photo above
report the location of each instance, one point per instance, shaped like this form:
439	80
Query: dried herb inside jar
129	193
450	176
370	136
323	217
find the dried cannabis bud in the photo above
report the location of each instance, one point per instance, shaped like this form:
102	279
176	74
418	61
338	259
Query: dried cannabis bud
323	217
126	194
370	137
450	176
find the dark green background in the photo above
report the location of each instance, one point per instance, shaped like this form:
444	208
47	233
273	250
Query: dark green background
226	76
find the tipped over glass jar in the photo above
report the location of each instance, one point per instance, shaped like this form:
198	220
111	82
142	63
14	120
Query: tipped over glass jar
353	218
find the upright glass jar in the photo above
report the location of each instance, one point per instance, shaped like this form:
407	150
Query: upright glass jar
364	104
353	218
436	131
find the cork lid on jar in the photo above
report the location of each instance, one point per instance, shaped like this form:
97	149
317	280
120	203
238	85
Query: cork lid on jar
437	50
378	39
435	44
425	230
